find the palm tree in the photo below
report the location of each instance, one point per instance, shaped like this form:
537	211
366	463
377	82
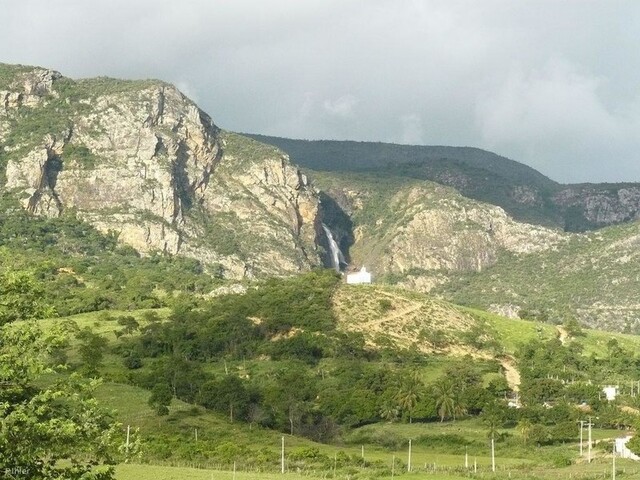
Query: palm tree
389	412
407	399
445	399
409	393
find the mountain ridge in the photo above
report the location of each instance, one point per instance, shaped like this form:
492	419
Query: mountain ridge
521	190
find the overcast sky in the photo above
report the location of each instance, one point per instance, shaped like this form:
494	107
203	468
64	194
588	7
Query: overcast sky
553	84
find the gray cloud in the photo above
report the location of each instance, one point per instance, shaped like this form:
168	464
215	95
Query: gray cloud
551	84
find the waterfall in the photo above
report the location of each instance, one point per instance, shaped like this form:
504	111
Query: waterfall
336	255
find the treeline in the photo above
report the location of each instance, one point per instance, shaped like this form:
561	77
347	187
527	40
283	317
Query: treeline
287	365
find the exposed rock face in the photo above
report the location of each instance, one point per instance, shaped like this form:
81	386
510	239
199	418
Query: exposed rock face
602	205
422	233
143	160
30	89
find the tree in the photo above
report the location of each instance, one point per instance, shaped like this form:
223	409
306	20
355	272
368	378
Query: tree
226	395
409	393
92	347
573	327
524	428
52	430
160	399
389	411
445	399
20	297
494	415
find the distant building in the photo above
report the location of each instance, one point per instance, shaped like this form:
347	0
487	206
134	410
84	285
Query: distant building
622	450
610	392
359	277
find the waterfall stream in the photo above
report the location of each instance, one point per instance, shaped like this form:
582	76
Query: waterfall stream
336	255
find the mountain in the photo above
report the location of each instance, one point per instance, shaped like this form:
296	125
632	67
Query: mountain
140	159
481	230
521	191
592	277
142	163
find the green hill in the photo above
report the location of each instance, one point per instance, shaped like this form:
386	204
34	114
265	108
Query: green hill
591	277
411	333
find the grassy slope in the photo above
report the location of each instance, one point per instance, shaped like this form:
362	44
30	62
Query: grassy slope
358	308
354	305
402	318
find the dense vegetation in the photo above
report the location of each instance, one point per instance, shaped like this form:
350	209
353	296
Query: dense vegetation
297	372
82	270
53	429
277	358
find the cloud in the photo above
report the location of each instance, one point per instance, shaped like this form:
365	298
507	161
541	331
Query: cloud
552	84
558	115
341	107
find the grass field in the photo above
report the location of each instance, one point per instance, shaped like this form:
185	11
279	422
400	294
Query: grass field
625	470
513	332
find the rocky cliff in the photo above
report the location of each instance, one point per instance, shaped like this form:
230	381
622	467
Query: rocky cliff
599	205
416	233
142	160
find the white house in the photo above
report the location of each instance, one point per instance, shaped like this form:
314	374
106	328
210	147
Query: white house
359	277
610	392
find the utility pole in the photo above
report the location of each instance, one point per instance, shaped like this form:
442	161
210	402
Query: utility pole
581	427
282	456
393	466
589	441
493	455
613	471
409	459
466	457
127	444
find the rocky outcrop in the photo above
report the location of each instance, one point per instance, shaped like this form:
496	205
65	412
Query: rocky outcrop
421	233
142	160
601	205
28	89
